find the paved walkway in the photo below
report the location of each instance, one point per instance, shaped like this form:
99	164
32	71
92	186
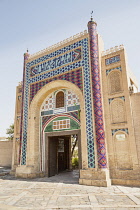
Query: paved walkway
64	192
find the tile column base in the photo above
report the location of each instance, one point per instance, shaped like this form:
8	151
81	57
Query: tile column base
95	177
28	172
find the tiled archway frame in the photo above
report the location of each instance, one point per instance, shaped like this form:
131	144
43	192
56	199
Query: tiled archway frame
33	145
83	63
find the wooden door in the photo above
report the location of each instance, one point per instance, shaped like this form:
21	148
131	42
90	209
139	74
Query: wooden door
52	156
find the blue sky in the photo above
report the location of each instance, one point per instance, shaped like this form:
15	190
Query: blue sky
37	24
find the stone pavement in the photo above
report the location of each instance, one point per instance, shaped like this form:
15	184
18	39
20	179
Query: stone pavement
63	192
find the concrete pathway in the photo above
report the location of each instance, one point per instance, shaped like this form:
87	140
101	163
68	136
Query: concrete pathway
64	192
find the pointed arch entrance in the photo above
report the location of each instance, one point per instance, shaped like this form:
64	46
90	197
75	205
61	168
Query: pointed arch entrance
36	154
60	122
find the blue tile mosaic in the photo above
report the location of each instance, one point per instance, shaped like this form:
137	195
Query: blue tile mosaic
116	68
46	112
56	62
97	96
120	129
73	108
111	99
87	92
112	60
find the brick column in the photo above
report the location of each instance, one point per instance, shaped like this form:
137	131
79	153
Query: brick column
26	56
97	98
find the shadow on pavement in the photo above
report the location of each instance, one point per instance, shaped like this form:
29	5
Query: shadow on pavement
67	177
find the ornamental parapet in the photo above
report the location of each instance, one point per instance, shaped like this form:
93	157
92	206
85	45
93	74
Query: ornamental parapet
46	50
113	49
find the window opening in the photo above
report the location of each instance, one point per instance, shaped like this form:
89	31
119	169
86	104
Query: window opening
60	99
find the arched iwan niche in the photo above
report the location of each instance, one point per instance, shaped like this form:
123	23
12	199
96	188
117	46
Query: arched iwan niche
118	114
60	111
115	82
39	113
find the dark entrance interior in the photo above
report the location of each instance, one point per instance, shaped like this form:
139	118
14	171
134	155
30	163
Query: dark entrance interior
59	154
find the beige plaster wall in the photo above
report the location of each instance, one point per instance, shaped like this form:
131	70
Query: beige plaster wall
135	103
120	167
15	151
6	153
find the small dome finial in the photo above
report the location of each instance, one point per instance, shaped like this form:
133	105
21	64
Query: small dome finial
91	15
26	55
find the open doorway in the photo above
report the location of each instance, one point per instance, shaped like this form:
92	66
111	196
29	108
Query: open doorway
58	154
62	154
74	152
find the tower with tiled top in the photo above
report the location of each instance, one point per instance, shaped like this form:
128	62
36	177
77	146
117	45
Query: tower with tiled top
26	56
92	176
97	95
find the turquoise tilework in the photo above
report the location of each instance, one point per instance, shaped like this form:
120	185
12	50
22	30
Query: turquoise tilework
87	92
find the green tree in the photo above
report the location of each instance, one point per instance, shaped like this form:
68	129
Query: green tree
10	132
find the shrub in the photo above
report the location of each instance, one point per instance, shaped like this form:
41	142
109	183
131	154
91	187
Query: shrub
75	162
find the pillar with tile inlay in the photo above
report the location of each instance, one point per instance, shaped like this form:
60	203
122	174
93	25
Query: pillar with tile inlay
26	56
97	97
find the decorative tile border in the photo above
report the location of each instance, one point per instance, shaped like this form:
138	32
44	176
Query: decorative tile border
56	62
112	60
111	99
117	68
50	112
66	73
22	143
97	98
46	119
119	129
73	76
72	108
56	53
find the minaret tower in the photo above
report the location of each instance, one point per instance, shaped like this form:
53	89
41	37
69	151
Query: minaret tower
97	97
93	176
26	56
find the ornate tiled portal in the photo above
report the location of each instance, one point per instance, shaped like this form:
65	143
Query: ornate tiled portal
70	63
